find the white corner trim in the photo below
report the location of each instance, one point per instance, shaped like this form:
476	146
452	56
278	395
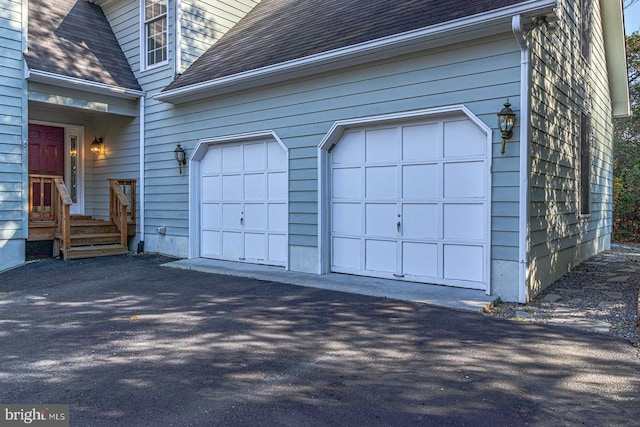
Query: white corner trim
80	84
451	31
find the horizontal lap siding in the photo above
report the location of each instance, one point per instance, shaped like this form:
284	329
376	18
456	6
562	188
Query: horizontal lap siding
480	75
563	84
13	189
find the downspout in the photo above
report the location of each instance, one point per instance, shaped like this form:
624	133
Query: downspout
142	185
523	213
177	61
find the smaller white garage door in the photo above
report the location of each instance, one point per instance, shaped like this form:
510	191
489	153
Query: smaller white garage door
411	202
244	203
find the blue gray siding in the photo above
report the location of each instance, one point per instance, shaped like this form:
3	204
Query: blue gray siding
564	84
13	173
480	75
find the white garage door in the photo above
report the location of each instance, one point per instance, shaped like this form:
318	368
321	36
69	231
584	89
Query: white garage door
410	202
244	203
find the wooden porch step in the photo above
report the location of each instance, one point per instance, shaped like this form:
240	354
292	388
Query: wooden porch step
90	251
86	239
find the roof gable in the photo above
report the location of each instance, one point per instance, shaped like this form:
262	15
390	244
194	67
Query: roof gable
277	31
73	38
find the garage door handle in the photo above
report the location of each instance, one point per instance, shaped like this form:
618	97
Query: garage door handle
398	225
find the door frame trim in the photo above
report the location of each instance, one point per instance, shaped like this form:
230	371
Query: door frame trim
195	189
79	132
340	127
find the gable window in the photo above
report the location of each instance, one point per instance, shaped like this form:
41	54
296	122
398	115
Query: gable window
155	32
585	164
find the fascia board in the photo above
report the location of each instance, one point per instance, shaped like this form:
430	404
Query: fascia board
450	32
616	55
83	85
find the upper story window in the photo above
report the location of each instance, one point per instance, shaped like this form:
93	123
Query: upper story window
155	32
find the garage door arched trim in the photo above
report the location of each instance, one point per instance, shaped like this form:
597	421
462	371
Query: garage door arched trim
449	245
198	167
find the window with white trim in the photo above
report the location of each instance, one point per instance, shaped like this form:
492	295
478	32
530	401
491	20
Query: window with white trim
155	32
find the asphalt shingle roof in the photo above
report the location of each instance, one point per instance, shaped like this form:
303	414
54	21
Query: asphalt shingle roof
73	38
277	31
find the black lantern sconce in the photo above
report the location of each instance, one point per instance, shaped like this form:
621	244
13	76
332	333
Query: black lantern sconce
506	120
96	145
181	156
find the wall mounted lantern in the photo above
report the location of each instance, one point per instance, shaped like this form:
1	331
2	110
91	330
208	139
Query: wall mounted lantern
506	120
180	156
96	145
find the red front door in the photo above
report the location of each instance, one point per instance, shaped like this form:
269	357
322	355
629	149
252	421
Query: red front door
46	157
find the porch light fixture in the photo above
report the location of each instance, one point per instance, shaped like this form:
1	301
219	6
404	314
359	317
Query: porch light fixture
180	156
96	145
506	120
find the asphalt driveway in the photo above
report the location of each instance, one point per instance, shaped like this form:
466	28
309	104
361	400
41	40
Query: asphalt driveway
125	341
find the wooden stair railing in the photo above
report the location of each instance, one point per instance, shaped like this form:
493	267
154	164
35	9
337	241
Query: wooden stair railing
122	211
42	197
61	206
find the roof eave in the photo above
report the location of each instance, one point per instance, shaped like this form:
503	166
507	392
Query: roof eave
480	25
53	79
616	55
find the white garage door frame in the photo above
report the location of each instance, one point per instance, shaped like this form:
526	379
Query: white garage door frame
195	185
324	167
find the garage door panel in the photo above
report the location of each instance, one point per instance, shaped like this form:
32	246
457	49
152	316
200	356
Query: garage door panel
349	150
346	253
382	182
211	188
211	243
277	248
276	156
232	187
211	215
420	181
232	158
346	218
346	183
464	221
255	216
380	255
463	138
463	262
420	221
255	157
231	215
255	246
381	219
255	187
277	186
420	142
212	161
278	218
464	180
420	259
232	245
381	145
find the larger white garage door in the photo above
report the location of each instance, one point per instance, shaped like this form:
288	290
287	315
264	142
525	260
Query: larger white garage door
410	202
244	203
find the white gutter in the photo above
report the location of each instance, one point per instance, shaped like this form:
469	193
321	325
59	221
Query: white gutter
142	170
523	214
177	61
445	33
80	84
